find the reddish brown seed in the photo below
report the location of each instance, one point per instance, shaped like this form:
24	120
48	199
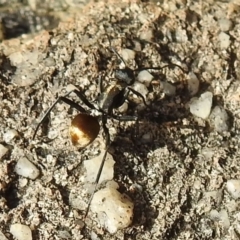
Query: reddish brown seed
83	130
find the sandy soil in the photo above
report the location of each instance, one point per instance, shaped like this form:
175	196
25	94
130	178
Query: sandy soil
176	176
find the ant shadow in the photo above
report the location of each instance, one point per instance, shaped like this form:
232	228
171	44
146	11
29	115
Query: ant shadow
132	153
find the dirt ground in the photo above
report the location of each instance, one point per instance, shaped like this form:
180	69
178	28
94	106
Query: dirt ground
175	168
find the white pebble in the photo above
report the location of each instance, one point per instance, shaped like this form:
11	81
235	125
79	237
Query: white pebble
114	210
168	89
70	87
225	24
21	232
10	135
214	215
201	107
128	54
224	40
233	187
93	165
146	35
145	77
219	117
221	216
3	151
26	168
193	83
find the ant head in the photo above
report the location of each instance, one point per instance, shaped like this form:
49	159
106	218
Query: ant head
125	75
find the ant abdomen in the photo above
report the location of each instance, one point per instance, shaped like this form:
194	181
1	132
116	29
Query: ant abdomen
83	130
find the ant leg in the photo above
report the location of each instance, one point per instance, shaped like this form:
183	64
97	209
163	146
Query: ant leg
160	68
64	99
107	136
84	99
100	84
117	54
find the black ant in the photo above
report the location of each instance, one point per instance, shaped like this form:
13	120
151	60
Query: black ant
85	127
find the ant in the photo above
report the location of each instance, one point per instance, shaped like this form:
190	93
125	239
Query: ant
85	127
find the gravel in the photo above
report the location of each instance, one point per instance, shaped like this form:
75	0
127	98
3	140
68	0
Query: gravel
179	166
201	107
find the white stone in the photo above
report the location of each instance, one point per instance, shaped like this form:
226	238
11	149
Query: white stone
145	77
26	168
114	210
224	219
193	83
128	54
221	217
233	187
92	166
225	24
201	107
9	135
146	35
3	151
219	118
224	40
21	232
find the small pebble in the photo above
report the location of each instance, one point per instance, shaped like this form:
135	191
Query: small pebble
193	83
64	234
219	119
201	107
3	151
224	40
93	165
21	232
145	77
10	135
26	168
128	54
114	210
233	187
146	35
225	24
221	216
168	89
224	219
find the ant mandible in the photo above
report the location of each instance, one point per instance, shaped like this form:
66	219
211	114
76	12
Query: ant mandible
85	127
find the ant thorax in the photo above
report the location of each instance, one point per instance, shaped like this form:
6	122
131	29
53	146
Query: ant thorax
111	97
